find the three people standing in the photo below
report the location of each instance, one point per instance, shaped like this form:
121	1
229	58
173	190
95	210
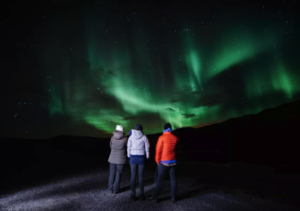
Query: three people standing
138	150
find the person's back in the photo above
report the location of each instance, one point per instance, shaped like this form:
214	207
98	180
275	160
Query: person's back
165	157
166	147
136	144
118	145
138	148
117	159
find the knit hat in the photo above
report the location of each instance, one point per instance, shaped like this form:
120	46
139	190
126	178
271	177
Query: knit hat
119	128
168	125
138	127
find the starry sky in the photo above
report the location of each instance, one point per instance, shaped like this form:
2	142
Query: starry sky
81	68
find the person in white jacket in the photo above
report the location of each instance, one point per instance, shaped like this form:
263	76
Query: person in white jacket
138	149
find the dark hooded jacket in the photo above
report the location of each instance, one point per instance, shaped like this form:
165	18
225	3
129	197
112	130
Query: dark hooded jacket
118	145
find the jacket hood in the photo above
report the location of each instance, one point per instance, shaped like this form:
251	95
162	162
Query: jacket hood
118	134
136	134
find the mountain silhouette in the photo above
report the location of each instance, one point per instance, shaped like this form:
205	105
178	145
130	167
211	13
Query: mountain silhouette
268	138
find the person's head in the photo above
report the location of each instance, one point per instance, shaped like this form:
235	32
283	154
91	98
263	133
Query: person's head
168	125
138	127
119	128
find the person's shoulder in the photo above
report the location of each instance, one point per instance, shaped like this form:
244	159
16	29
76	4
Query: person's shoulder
129	138
162	136
146	138
173	134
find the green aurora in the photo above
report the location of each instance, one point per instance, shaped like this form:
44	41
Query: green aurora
189	76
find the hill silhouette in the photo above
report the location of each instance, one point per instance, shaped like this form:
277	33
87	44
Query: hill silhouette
269	138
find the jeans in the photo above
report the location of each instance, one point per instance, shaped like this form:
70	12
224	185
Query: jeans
133	178
162	170
115	175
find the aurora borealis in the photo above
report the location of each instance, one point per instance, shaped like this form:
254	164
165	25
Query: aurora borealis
91	66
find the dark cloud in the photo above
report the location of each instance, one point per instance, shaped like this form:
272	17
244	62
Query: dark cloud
188	115
110	73
128	118
212	99
169	109
174	100
185	90
197	92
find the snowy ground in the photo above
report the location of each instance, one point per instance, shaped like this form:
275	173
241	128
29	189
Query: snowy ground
88	192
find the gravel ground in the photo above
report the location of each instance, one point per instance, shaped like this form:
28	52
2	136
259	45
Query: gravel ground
88	192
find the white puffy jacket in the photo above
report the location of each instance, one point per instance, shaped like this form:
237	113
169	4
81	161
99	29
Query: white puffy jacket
138	144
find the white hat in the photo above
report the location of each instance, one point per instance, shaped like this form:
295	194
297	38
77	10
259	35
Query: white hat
119	128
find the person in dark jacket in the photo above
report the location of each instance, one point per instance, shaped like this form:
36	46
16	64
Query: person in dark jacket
117	159
138	148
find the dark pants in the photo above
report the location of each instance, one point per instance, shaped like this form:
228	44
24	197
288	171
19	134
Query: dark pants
155	176
162	170
133	178
115	175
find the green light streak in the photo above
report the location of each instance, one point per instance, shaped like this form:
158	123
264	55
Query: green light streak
239	47
55	106
281	80
129	82
272	79
193	62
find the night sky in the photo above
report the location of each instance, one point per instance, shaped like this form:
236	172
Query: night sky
81	68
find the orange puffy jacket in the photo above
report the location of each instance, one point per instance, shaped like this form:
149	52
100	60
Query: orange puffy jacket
165	147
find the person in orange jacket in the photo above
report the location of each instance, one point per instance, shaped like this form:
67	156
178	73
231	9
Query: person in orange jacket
165	157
